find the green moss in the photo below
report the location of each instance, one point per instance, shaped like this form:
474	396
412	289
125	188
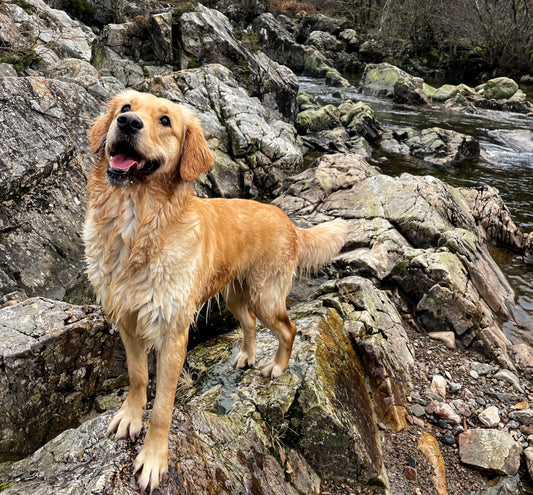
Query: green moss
20	60
5	486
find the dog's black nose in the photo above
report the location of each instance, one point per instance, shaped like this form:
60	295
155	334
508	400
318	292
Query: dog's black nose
129	122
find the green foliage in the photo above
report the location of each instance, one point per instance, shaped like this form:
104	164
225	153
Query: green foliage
4	486
182	7
248	38
20	59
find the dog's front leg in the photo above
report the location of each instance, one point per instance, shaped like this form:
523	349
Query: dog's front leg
128	420
152	461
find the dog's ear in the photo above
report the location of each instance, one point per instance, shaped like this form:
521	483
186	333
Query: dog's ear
98	132
196	156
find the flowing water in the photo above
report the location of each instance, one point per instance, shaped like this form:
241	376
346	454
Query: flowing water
506	162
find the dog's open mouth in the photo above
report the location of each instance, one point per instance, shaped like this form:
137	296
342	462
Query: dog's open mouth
126	164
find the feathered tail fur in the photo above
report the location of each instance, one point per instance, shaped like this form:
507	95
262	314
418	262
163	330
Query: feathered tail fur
319	244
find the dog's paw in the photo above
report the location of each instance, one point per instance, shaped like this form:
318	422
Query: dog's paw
126	422
150	466
244	360
273	369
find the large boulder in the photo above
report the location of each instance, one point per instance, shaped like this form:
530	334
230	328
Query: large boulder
387	80
55	359
435	145
418	234
206	36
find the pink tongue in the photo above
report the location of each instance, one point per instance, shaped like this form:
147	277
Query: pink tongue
121	161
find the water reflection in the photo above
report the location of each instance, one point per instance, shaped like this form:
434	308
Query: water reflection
506	162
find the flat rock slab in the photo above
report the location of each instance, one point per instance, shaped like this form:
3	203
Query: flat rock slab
489	449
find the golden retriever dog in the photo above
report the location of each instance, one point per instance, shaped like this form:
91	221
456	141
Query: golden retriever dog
156	253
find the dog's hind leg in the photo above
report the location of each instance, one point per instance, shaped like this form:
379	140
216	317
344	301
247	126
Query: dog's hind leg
128	420
237	300
285	331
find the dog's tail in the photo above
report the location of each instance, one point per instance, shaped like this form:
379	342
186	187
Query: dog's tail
319	244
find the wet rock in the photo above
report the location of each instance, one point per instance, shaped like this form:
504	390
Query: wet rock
495	220
54	359
359	119
490	417
390	81
416	232
490	449
319	407
440	146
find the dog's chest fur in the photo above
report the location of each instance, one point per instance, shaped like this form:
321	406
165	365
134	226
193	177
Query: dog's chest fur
158	290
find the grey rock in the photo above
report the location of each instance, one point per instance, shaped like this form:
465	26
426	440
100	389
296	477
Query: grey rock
494	450
206	36
238	125
54	358
42	182
508	485
524	416
440	146
240	416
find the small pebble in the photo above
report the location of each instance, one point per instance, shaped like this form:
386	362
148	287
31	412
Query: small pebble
448	438
474	374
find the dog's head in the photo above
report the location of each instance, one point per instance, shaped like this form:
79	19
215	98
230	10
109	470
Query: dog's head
144	136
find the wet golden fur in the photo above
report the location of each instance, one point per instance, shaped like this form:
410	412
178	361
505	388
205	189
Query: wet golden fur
155	253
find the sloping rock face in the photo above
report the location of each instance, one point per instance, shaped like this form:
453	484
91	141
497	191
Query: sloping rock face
416	232
42	176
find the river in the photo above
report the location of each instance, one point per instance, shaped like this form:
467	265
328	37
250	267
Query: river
506	162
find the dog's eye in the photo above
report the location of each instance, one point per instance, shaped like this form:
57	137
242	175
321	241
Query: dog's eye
165	120
125	108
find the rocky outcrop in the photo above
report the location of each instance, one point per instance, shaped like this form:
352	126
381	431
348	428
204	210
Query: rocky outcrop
280	45
42	175
206	36
500	93
255	149
348	127
419	234
315	422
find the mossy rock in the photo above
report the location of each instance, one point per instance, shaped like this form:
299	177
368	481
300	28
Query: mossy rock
500	88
